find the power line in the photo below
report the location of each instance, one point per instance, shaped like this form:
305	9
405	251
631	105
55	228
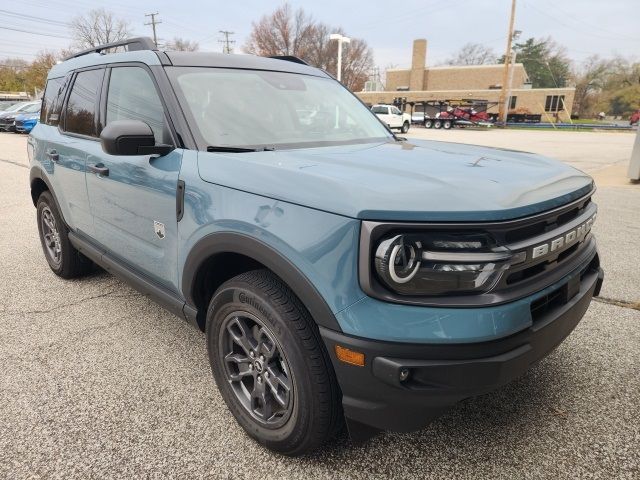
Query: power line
34	33
34	18
226	42
153	24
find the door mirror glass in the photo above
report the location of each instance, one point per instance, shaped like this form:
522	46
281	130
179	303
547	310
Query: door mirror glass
131	137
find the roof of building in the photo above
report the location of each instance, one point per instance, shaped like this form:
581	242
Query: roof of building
456	67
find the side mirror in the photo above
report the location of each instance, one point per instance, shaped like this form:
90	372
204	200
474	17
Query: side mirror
131	137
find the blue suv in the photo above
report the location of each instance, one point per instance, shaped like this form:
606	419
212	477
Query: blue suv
341	274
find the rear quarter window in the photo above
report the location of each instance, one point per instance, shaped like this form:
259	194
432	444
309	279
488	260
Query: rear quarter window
52	101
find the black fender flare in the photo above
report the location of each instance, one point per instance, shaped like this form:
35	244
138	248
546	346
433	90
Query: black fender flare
36	173
242	244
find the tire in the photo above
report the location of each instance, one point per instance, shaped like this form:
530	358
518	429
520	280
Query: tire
405	127
447	124
428	123
270	364
437	124
62	257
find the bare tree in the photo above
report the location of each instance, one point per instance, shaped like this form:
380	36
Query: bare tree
182	45
590	78
473	54
98	27
283	32
289	32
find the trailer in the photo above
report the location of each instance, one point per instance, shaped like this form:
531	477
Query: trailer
519	117
449	113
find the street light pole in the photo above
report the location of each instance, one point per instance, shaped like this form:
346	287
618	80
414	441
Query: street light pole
341	39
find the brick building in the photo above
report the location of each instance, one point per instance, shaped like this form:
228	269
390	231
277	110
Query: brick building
422	82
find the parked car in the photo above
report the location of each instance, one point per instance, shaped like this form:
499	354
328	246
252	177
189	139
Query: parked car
6	104
27	119
340	273
392	117
8	117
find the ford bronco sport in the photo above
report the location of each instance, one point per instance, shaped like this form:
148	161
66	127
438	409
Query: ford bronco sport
338	271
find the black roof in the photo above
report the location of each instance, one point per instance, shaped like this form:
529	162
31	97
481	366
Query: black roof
225	60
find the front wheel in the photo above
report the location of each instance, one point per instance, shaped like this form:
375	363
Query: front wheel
405	127
428	123
270	364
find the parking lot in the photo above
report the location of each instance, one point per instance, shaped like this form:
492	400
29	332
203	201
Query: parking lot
97	381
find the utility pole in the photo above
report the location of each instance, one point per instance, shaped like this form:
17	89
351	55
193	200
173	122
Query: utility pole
226	42
153	24
502	111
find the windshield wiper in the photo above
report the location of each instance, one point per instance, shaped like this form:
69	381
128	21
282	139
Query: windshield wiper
220	148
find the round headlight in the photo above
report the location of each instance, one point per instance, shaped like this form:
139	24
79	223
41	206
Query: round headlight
397	260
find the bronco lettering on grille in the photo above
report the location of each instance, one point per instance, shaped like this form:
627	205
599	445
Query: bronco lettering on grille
578	234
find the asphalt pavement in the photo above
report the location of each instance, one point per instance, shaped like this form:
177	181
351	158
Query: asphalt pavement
96	381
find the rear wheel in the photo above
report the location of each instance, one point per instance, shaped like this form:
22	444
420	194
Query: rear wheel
447	124
428	123
270	364
405	127
437	124
63	259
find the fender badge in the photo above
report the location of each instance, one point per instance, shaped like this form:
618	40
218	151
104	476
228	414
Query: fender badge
159	229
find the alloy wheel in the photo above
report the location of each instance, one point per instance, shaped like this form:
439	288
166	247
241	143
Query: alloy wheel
257	369
51	236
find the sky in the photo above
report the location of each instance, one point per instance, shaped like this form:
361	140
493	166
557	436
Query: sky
584	27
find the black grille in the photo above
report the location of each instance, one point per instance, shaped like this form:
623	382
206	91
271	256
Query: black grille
546	224
560	296
549	302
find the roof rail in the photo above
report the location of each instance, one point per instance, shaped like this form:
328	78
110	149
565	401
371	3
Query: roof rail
289	58
136	43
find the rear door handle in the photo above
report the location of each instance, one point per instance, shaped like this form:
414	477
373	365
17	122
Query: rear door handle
52	155
100	169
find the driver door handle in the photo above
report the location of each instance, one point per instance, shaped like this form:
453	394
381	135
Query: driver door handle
99	168
52	155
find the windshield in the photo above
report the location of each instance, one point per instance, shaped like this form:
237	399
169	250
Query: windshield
15	107
31	108
251	109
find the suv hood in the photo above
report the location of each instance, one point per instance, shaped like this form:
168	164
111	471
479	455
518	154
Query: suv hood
403	181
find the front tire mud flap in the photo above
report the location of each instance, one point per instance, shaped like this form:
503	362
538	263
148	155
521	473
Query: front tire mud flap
360	433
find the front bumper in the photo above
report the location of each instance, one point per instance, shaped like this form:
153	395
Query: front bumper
25	126
441	375
7	126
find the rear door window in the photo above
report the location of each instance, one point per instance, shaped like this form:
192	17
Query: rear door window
80	112
380	110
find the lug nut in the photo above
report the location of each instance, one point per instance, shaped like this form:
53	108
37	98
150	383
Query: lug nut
266	374
404	374
252	354
251	366
262	358
259	379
